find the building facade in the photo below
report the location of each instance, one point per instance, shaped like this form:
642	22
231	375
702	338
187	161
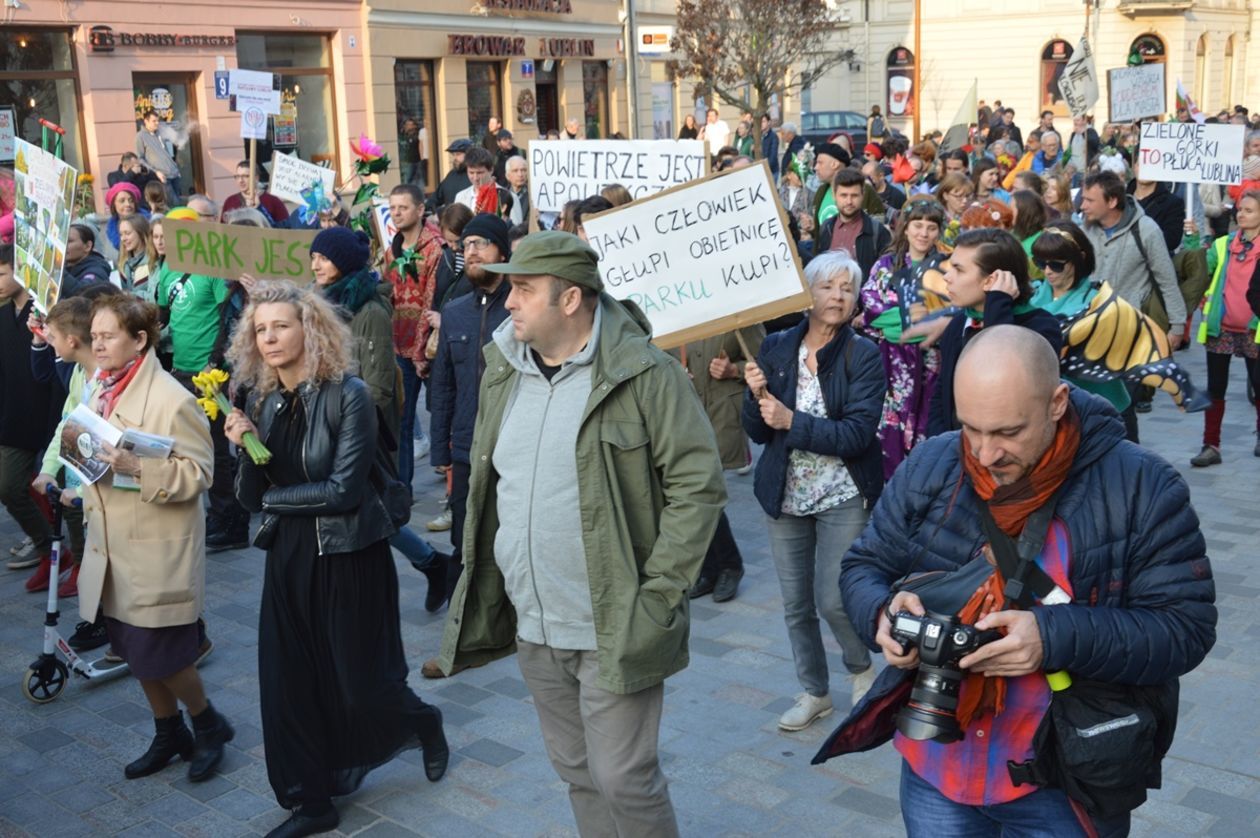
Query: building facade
1015	51
98	69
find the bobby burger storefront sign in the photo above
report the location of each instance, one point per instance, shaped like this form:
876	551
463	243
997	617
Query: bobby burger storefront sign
105	39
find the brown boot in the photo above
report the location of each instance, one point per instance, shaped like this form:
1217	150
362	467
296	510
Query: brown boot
432	669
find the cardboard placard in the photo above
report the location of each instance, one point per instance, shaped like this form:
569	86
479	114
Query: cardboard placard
43	197
8	133
703	258
1187	152
566	170
383	223
291	176
229	251
1136	92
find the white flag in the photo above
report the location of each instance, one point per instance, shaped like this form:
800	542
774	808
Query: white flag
1079	82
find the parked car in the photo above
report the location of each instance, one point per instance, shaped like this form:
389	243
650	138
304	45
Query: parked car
820	126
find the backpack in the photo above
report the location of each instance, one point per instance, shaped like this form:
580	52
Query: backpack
877	127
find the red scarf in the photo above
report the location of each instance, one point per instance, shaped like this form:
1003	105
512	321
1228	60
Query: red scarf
1011	505
114	383
487	198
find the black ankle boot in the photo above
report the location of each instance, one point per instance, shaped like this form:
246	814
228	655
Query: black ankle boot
436	752
302	823
212	733
173	739
435	573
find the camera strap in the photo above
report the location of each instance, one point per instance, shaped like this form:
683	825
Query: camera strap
1018	562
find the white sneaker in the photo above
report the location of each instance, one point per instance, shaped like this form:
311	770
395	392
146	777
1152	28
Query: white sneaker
803	713
21	546
862	683
24	556
441	523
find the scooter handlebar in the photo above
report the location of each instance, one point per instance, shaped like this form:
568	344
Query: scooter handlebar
54	494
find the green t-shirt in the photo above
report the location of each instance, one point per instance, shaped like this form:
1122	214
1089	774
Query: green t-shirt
194	326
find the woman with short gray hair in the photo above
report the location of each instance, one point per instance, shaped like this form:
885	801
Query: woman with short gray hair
815	396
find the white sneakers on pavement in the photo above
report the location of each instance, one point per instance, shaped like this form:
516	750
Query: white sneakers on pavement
862	683
803	713
23	555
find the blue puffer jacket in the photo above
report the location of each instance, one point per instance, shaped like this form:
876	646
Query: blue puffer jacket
468	322
1143	597
852	378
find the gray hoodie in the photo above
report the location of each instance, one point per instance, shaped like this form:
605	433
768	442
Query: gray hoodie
538	546
1120	261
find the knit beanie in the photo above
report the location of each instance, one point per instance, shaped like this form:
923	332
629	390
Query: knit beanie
348	249
122	186
493	229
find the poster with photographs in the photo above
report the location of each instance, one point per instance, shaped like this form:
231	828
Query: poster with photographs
44	198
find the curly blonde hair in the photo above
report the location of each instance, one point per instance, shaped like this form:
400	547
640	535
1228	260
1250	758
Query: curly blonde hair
327	341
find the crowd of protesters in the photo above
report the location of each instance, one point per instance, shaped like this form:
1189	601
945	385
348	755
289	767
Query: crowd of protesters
581	523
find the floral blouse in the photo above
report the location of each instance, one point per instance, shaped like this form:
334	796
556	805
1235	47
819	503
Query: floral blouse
815	482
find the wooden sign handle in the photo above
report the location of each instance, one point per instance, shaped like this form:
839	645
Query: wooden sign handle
253	168
760	393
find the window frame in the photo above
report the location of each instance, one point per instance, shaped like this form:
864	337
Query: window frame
71	75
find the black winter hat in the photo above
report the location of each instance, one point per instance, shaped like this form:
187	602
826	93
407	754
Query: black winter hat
834	150
492	228
348	249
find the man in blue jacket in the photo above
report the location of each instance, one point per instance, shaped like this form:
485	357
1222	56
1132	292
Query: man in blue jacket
1124	545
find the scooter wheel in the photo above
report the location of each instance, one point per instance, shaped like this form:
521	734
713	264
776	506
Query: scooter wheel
44	681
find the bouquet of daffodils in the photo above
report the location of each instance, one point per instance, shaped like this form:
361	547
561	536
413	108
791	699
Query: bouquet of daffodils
213	402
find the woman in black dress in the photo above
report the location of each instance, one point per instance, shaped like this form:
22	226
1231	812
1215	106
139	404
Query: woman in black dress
333	680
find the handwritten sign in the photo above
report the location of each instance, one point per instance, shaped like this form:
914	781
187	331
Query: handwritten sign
291	176
8	133
1079	82
384	223
1136	92
566	170
703	258
1187	152
228	251
43	197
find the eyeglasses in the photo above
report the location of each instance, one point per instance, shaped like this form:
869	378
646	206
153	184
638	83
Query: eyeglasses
476	244
1056	265
1247	244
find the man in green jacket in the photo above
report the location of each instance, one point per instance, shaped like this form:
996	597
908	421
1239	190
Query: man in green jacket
595	490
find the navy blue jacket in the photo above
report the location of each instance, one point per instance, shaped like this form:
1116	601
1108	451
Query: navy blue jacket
468	322
770	151
852	378
1142	609
999	308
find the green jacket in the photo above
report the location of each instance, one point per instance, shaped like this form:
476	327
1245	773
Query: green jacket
1214	310
373	329
651	491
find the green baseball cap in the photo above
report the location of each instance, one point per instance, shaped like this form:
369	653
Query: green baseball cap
553	253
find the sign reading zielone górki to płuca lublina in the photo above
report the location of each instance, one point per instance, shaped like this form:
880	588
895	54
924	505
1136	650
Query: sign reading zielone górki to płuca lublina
703	258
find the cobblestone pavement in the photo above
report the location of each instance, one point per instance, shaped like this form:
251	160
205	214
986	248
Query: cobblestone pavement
731	771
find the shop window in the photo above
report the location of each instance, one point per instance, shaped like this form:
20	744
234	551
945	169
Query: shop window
1147	49
415	123
485	96
595	98
901	92
305	125
662	102
38	81
1054	59
1228	95
1201	72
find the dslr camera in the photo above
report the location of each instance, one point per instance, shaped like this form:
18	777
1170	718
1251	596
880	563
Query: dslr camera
942	641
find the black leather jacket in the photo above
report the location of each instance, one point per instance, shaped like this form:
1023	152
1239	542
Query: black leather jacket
337	457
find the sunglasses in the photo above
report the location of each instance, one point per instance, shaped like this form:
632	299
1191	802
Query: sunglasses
1246	248
1056	265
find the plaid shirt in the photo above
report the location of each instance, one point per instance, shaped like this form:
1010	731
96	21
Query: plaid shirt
973	772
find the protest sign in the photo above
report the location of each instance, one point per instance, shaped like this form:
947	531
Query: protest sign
8	133
229	251
703	258
564	170
1079	82
291	176
256	97
1187	152
383	222
43	200
1136	92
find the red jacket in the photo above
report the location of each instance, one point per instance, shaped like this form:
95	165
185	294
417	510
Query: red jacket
413	297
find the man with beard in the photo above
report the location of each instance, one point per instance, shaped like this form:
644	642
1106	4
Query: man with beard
456	180
468	322
411	267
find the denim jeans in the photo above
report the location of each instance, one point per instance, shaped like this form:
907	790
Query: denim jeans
807	553
414	548
1046	813
411	395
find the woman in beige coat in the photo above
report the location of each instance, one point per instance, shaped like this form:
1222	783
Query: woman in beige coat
144	565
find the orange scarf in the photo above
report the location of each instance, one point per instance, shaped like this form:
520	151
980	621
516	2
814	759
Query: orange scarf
1011	505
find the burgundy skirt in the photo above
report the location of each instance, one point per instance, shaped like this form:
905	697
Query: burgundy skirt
153	654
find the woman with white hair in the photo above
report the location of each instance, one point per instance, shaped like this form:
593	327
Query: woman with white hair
815	396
